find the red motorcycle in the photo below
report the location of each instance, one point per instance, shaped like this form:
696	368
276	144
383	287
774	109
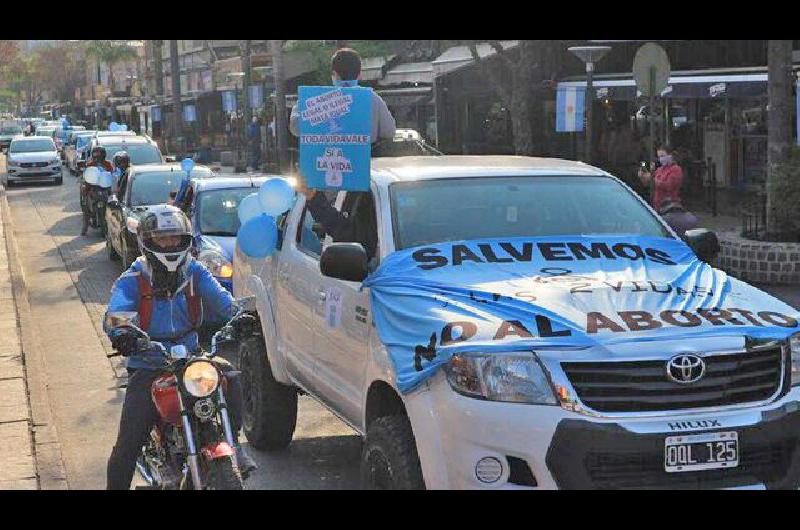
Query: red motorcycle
192	446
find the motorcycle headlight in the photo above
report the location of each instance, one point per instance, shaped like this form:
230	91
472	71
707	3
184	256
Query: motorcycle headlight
216	263
200	378
512	377
794	349
132	223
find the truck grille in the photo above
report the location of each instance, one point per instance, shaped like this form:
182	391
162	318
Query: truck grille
33	164
635	386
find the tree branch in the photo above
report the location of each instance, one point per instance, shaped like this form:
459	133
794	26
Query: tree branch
503	92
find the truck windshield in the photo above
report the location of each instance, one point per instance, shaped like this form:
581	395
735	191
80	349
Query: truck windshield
435	211
218	210
154	188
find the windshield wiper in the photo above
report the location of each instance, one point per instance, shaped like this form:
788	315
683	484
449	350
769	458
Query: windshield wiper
219	233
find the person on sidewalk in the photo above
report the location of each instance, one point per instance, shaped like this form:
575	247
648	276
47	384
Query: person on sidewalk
174	283
345	72
668	177
254	142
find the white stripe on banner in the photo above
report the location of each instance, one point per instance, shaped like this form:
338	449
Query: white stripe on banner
569	109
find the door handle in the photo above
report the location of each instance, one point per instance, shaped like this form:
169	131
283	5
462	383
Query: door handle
323	295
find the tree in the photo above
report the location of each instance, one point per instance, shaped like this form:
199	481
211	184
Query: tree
8	53
62	71
520	76
110	52
779	122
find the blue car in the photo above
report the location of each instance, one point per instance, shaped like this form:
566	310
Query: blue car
214	205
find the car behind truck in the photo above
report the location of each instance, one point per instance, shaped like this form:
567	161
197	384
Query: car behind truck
523	323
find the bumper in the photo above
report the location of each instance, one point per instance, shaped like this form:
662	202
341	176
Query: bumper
567	450
22	174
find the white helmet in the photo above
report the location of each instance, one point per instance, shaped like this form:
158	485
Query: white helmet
162	221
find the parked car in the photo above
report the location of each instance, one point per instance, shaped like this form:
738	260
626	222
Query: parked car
63	135
75	151
146	185
8	133
611	397
33	159
213	209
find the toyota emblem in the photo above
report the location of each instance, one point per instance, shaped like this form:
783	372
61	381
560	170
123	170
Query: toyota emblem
686	368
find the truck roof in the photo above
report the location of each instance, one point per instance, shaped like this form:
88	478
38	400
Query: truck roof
410	168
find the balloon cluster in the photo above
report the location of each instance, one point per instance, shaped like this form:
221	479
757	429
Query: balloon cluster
116	127
258	234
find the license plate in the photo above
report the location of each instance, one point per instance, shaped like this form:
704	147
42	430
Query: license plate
701	452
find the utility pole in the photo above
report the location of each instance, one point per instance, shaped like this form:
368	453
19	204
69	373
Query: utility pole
281	125
158	67
177	123
247	81
779	123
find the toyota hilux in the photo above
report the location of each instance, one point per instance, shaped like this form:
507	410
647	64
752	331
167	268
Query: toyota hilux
513	322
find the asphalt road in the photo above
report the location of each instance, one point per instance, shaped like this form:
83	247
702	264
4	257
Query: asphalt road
324	453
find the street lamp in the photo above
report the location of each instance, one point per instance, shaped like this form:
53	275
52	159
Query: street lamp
589	55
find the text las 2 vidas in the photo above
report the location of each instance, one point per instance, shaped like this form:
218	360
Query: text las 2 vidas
507	252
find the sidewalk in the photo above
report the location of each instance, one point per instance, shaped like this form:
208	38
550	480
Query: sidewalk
17	462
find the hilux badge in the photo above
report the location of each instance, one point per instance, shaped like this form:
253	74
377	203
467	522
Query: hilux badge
686	368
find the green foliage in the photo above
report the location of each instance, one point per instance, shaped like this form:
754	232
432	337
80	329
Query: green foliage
321	53
783	187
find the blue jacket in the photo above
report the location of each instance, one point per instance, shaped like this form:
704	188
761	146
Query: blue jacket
170	323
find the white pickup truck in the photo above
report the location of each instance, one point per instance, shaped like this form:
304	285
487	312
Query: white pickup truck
685	412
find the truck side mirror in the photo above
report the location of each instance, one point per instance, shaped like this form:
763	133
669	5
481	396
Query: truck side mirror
344	261
704	243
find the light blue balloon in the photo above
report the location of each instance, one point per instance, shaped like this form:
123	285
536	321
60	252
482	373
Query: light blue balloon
258	237
122	127
276	196
249	207
112	126
187	164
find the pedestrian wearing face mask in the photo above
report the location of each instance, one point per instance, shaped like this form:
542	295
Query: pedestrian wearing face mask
668	177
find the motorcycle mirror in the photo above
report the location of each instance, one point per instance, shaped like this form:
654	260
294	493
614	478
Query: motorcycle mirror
179	351
246	304
116	319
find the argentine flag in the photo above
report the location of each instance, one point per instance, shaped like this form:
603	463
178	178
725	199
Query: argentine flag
569	108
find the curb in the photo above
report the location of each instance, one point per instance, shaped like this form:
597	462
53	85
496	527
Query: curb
50	471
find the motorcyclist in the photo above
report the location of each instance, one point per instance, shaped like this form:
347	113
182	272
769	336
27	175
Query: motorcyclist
122	164
98	160
173	294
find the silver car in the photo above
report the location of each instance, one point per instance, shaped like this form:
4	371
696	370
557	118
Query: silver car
33	159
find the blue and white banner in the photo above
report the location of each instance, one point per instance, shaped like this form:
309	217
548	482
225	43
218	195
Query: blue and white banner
189	113
520	294
229	101
335	144
256	95
570	102
155	113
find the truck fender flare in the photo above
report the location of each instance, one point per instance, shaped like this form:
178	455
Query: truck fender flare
266	315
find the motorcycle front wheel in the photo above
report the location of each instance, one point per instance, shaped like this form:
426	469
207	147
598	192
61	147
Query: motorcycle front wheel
223	475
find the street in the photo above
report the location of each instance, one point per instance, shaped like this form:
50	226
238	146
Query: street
68	280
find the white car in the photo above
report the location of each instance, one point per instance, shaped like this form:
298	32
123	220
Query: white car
682	411
33	159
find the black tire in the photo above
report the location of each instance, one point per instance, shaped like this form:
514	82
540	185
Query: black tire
127	259
269	408
112	254
389	459
223	475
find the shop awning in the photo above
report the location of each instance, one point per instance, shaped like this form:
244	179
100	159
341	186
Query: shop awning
372	67
682	85
402	97
457	57
409	73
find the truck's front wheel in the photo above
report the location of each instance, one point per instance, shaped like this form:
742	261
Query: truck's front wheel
270	407
389	460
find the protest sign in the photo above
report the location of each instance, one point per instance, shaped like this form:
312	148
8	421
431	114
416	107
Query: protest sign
335	128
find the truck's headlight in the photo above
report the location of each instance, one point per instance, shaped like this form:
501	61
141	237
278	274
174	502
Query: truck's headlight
516	377
200	378
216	263
794	348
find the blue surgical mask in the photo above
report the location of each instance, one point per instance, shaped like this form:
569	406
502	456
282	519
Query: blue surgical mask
342	84
665	160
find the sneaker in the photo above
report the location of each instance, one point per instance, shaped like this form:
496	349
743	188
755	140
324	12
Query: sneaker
246	464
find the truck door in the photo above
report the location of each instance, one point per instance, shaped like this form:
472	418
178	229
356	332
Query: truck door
297	293
342	319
